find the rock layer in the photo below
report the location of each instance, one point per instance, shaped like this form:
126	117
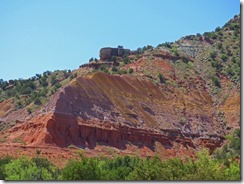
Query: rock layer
119	110
65	130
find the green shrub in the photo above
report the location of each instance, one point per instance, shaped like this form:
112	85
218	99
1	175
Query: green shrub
53	79
161	78
233	60
72	76
219	45
126	60
166	44
216	81
29	110
57	86
102	68
37	101
213	55
224	57
217	65
114	69
43	81
131	71
229	71
122	72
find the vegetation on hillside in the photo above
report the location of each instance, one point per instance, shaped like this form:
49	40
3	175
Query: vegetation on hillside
35	90
220	48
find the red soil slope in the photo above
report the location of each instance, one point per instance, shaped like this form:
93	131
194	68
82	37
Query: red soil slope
120	112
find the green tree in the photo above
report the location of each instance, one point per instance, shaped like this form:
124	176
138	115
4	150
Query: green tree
91	59
176	168
24	169
38	76
217	29
3	162
43	81
85	169
149	170
232	150
233	172
53	79
206	168
118	168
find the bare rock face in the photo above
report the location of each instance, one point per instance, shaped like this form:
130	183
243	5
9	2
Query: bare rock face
107	53
63	130
121	110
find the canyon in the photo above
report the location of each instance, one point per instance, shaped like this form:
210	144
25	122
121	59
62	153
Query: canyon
169	101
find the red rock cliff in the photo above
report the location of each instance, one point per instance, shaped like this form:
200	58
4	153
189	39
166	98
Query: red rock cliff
115	111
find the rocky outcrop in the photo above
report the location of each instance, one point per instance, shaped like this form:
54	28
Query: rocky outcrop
107	53
63	130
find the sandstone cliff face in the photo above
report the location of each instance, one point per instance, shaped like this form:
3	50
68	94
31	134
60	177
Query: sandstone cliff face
129	101
119	110
63	130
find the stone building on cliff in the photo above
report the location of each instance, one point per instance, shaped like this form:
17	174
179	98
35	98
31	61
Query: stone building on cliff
107	53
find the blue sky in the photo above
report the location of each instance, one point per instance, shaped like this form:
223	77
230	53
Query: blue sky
40	35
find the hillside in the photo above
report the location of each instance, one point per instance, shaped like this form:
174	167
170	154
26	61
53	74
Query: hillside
171	100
